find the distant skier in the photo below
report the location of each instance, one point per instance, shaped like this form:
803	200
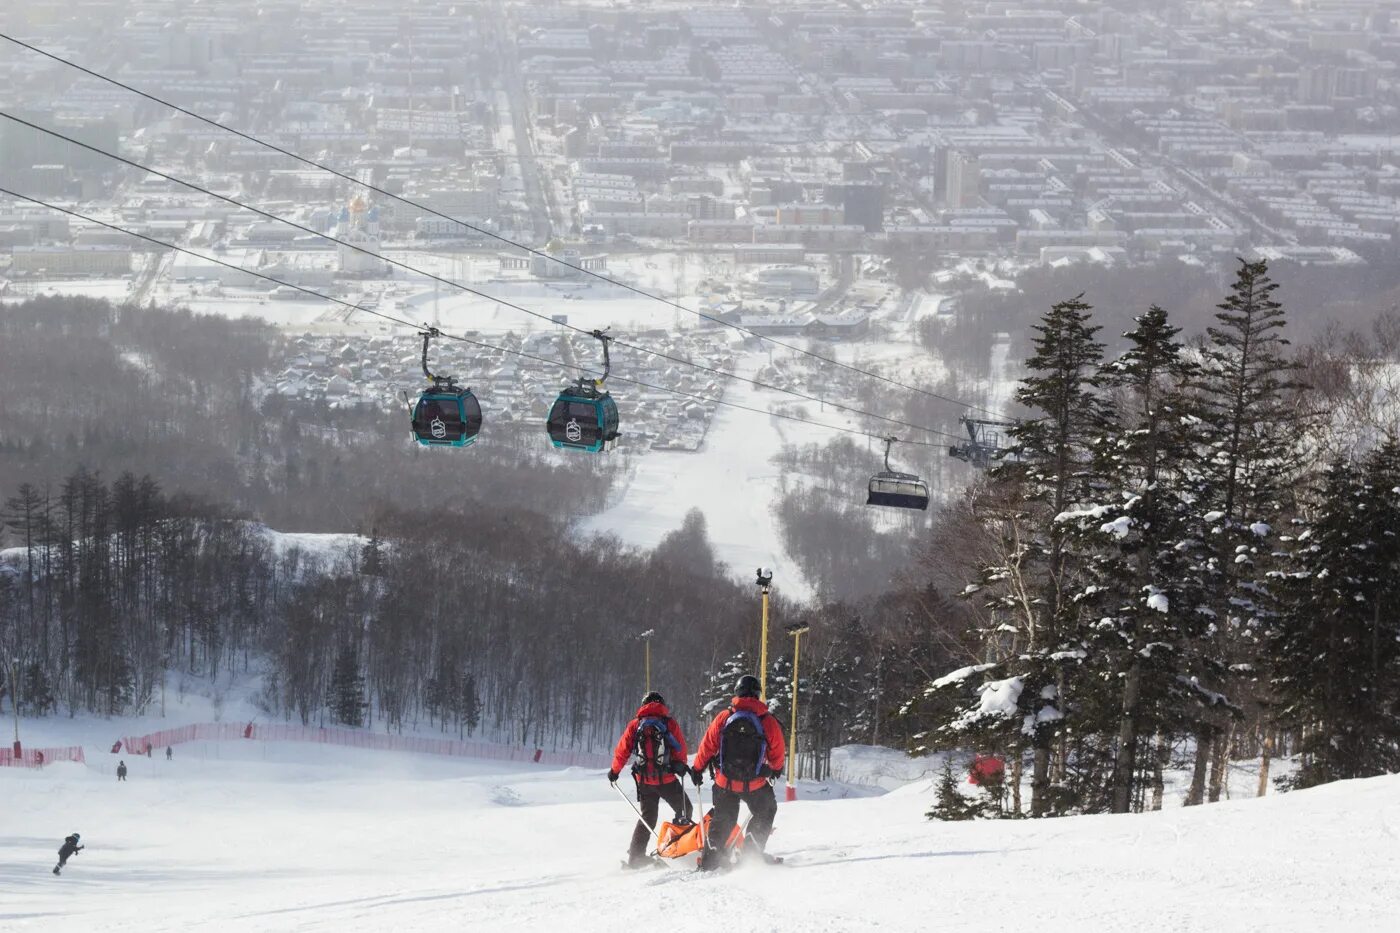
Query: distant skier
745	746
70	848
655	740
121	771
169	752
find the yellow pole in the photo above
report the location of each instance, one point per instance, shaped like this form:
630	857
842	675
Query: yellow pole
765	580
796	632
763	651
792	726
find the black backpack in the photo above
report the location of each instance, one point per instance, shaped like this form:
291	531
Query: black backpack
652	747
742	746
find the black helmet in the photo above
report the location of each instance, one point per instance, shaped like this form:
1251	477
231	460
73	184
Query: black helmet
748	686
76	836
653	697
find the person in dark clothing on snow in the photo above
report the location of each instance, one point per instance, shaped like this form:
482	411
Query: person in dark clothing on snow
746	749
69	849
169	752
121	771
655	739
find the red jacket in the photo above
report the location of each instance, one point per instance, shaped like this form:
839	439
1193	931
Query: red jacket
987	769
772	734
628	743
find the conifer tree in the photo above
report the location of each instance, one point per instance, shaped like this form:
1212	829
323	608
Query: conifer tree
1049	470
347	689
1336	648
949	802
1245	390
1052	454
1133	583
779	686
720	689
469	704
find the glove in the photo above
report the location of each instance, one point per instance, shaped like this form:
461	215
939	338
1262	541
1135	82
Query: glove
766	772
679	768
697	776
612	777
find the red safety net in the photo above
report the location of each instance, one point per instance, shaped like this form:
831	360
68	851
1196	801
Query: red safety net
354	738
37	757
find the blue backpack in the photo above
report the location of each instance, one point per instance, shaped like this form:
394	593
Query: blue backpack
742	746
653	746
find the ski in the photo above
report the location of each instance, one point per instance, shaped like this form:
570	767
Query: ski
652	862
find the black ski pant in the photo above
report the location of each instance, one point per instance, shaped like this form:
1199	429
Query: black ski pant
763	807
649	797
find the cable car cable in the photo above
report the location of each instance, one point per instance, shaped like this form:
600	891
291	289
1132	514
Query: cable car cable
451	283
461	339
496	236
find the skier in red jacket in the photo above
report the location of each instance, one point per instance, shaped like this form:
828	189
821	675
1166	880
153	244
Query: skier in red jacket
655	739
745	747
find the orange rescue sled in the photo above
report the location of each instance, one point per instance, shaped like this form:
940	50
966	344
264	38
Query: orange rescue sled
674	840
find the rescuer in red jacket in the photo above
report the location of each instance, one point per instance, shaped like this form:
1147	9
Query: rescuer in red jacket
745	748
654	739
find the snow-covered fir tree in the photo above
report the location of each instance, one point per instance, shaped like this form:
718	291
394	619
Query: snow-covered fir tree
1035	645
1251	426
835	695
950	805
720	687
1133	588
1335	651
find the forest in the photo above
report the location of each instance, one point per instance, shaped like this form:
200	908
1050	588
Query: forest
1185	557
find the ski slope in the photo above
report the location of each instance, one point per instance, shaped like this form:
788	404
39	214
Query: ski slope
254	836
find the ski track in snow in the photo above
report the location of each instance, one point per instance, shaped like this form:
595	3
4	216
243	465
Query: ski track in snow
731	480
248	836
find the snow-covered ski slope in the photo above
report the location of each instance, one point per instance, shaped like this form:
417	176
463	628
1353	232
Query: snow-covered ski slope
247	836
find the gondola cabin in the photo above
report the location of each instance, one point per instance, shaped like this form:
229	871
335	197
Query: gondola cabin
898	490
583	419
446	418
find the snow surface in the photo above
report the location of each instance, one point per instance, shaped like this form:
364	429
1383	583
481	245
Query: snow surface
731	480
253	836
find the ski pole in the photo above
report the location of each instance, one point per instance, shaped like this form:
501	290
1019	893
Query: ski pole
651	830
640	818
700	817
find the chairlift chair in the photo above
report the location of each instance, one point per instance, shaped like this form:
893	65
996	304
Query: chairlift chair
897	490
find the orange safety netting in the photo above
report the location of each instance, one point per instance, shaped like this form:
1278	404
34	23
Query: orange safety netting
353	738
38	757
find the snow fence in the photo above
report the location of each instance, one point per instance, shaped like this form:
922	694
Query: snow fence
38	757
354	738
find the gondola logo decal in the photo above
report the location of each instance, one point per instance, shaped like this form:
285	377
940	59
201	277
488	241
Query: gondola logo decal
573	432
438	428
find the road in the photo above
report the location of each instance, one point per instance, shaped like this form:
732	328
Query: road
513	81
